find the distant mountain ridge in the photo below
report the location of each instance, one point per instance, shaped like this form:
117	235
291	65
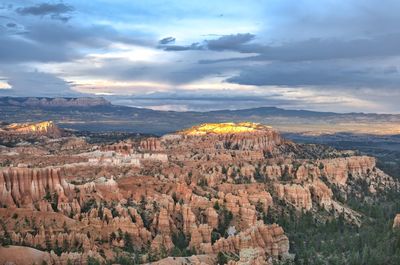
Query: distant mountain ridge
54	102
98	114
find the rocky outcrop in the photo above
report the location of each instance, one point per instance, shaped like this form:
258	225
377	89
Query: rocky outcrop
27	255
199	235
162	242
338	170
252	256
270	238
396	221
151	144
295	194
47	128
23	187
189	219
211	217
322	194
163	222
241	207
195	260
229	136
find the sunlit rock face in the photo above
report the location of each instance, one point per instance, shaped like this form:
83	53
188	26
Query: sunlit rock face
245	136
225	128
48	128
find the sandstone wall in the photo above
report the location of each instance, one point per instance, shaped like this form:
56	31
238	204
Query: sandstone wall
24	186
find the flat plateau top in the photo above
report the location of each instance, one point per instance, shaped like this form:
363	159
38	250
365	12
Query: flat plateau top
224	128
33	127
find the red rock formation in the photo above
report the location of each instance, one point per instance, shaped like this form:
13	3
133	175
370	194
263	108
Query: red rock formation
241	207
199	235
211	217
189	219
151	144
163	222
125	147
195	260
396	221
337	170
25	186
27	255
322	194
295	194
231	136
252	256
162	241
270	238
47	128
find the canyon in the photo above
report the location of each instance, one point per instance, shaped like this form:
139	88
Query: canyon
210	193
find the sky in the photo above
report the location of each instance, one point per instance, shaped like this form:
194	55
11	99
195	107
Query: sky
327	55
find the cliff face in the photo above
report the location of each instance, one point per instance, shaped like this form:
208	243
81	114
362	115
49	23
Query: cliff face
270	238
151	144
295	194
24	186
39	128
338	170
229	136
27	255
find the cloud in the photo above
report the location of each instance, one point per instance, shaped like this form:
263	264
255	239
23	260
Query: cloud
178	73
16	49
177	48
41	41
167	40
325	49
197	100
226	42
55	11
229	42
319	75
34	83
11	25
378	46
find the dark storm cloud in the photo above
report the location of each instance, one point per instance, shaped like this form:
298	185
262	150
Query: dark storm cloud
56	42
177	48
321	49
15	49
126	70
55	11
197	100
34	83
167	40
229	42
11	25
226	42
317	74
